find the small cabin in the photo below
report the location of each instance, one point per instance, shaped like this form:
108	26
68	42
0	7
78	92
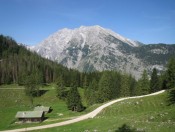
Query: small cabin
30	116
43	108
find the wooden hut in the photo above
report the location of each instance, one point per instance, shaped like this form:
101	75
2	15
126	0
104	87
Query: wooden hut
30	116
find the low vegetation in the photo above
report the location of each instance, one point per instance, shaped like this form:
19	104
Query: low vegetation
13	100
149	114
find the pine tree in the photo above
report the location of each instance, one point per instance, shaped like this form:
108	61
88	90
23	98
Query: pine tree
60	88
74	100
138	90
30	88
105	87
116	76
144	83
91	93
171	73
125	86
154	82
163	81
85	83
132	88
32	83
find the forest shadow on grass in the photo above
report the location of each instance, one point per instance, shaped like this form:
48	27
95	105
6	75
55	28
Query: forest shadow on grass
171	97
126	128
39	93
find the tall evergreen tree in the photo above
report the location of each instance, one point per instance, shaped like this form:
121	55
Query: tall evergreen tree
163	80
138	90
144	83
74	100
154	82
116	77
125	86
91	93
32	85
132	88
171	73
60	88
105	87
85	83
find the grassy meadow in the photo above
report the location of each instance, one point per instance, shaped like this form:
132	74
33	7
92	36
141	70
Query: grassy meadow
13	99
145	114
149	114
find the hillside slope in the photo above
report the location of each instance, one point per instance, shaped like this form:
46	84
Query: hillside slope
150	114
135	110
16	63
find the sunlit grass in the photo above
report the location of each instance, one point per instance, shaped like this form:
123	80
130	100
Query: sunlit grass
150	114
13	100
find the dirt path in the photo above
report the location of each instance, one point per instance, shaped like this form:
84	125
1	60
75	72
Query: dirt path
80	118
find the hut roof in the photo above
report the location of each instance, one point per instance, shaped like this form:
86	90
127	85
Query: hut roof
42	108
29	114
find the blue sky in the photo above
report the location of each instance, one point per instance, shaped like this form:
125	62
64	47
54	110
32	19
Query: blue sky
31	21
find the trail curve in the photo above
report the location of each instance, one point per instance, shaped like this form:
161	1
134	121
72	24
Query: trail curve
83	117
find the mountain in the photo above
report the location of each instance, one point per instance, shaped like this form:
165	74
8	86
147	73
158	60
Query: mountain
96	48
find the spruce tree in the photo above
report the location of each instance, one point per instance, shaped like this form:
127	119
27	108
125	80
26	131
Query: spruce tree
60	88
74	100
125	86
171	73
132	83
30	88
85	83
154	82
91	93
105	87
116	76
144	83
138	90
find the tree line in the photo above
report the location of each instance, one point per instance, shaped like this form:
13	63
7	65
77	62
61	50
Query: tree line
109	85
16	63
21	66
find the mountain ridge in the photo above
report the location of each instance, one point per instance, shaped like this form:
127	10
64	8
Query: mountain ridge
96	48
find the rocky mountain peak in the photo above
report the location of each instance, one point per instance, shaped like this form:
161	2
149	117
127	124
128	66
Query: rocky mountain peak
95	48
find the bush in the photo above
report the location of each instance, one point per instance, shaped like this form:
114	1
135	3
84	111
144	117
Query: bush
125	128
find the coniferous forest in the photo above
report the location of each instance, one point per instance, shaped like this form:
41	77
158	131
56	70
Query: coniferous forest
16	63
21	66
